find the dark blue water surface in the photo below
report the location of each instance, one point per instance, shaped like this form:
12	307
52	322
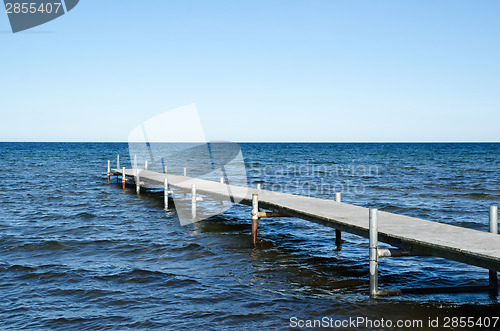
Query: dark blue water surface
77	253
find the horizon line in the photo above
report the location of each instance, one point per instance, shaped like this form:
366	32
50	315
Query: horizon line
257	142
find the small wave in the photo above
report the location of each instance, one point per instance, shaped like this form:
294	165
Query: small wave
482	196
85	215
86	322
139	276
44	245
381	188
17	267
46	275
193	248
55	197
93	293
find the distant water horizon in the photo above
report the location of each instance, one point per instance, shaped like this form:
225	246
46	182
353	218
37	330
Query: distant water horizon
80	253
271	142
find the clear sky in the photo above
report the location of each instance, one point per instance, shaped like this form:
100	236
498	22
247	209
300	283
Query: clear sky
260	70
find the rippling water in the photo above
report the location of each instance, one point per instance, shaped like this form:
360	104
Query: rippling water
79	253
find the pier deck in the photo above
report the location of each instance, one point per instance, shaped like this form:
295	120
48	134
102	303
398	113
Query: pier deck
447	241
432	238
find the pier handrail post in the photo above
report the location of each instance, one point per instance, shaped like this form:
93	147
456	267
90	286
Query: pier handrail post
193	200
373	234
124	179
146	165
255	218
222	180
258	186
138	181
494	229
109	171
165	193
135	161
118	161
185	172
165	169
338	233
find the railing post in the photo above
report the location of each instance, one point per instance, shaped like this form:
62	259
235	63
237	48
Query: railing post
373	232
222	180
124	179
494	229
255	218
109	171
193	200
338	233
118	161
185	172
165	193
138	181
165	169
135	161
146	165
258	186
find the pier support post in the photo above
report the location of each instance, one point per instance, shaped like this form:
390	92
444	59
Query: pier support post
258	186
373	229
193	200
185	172
338	233
124	179
494	229
221	202
146	165
118	161
255	218
138	181
109	171
165	193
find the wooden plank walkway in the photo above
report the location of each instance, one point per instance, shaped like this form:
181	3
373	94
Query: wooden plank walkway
443	240
451	242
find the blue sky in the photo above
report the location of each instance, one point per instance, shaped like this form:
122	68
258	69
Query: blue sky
258	70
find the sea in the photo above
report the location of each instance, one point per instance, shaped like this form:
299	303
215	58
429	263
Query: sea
77	253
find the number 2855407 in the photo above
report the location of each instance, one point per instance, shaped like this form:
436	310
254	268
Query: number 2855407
32	8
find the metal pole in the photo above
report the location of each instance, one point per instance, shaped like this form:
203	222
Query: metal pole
185	172
255	218
373	225
494	219
338	233
118	161
124	179
222	180
193	200
494	229
138	182
165	193
109	170
165	169
258	186
135	161
146	165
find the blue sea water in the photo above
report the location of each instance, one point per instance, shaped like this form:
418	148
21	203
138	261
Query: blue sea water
78	253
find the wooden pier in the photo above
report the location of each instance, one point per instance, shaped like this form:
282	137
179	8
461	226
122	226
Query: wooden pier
412	236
